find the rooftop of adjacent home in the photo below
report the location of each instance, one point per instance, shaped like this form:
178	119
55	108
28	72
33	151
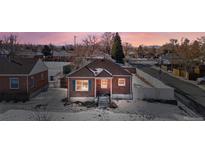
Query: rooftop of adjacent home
16	65
100	68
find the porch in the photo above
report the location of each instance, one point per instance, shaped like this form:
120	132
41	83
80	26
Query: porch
103	91
103	87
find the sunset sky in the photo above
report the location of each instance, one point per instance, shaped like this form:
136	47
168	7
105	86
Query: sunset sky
135	38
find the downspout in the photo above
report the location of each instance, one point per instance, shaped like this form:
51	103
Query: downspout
95	87
27	85
111	88
67	87
131	86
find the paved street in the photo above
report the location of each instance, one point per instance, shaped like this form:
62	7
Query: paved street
187	93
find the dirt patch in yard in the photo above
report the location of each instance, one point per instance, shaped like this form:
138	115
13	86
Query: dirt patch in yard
88	104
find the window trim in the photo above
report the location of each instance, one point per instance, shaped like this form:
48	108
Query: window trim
14	79
122	85
101	85
81	85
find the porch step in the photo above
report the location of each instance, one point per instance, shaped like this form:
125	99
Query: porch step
103	101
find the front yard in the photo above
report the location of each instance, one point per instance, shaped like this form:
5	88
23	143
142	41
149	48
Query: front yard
49	106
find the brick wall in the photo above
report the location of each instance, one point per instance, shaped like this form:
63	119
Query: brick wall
40	79
40	83
73	93
5	84
100	90
121	89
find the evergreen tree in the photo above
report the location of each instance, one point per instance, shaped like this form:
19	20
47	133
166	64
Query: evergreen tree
46	50
117	50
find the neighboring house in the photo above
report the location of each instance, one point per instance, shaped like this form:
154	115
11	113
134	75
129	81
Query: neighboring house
100	77
25	53
171	59
55	72
60	55
22	75
38	55
98	55
131	54
4	53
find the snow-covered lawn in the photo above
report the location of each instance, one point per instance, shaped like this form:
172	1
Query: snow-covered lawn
88	115
155	111
55	110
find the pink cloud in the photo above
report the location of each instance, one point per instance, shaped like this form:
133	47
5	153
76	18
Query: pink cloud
135	38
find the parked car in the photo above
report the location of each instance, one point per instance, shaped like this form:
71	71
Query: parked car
201	80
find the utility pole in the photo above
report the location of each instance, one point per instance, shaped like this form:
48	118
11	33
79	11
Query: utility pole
75	38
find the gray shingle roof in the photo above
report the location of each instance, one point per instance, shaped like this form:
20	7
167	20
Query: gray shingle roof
16	65
105	64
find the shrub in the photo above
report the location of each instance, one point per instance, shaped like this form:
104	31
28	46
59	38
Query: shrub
41	116
89	104
16	97
67	69
64	99
113	105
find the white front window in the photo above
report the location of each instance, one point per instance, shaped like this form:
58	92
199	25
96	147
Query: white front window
81	85
104	83
121	82
14	83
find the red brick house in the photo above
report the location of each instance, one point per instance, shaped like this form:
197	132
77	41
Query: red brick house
22	76
100	77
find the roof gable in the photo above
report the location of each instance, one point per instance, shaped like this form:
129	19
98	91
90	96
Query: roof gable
104	73
108	65
82	72
100	68
38	67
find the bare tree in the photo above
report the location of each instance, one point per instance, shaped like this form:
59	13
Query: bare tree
140	51
106	42
189	52
9	43
127	48
202	47
79	56
91	43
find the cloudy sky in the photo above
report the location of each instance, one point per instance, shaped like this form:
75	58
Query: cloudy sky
135	38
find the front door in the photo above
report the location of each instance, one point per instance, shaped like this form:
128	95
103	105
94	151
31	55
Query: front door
102	86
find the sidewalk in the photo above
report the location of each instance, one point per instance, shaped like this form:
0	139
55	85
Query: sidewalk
181	78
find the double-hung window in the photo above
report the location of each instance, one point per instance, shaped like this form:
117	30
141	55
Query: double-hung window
14	83
104	83
81	85
121	82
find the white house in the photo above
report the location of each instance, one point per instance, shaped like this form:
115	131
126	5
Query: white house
55	72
